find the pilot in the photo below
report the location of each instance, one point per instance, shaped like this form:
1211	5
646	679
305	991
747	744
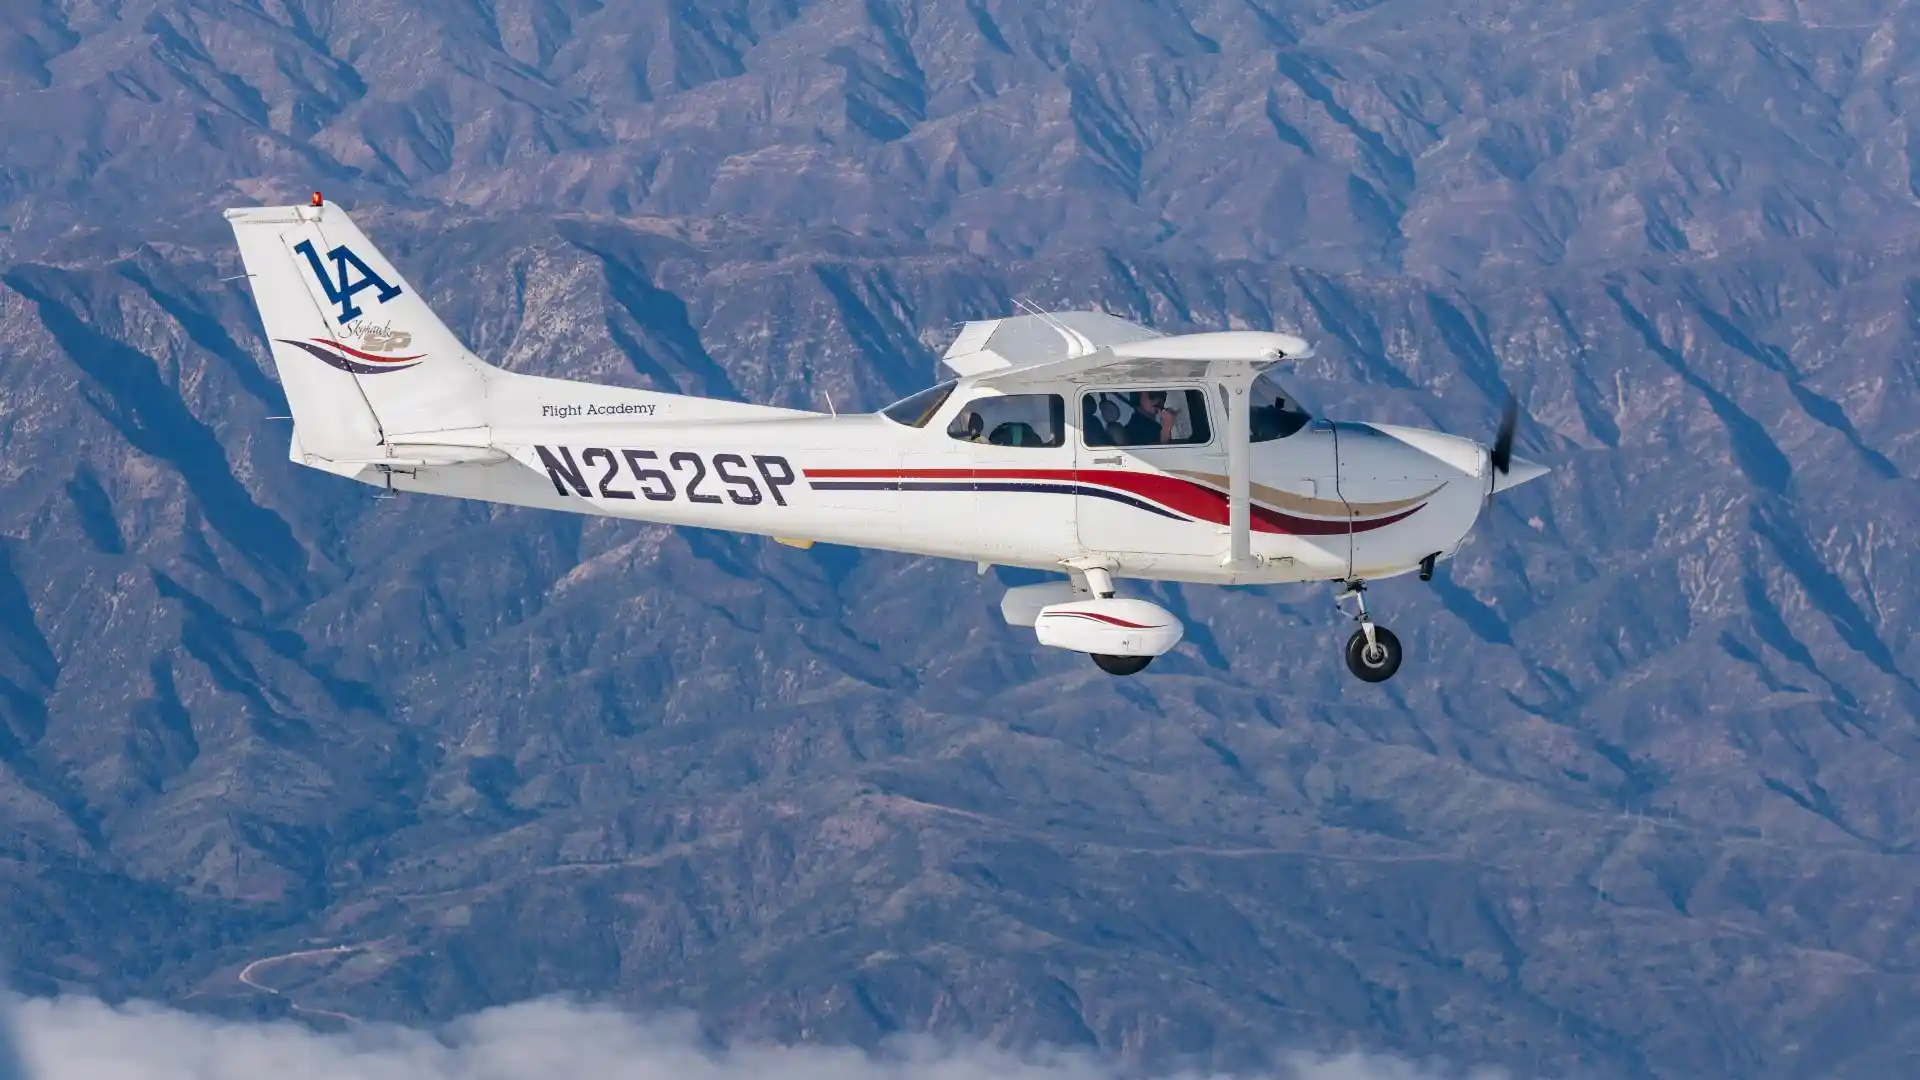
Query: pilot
1152	421
976	427
1263	421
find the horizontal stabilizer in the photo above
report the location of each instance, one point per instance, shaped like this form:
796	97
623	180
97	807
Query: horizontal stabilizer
403	459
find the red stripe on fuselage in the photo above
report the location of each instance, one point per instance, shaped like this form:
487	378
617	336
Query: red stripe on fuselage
1183	496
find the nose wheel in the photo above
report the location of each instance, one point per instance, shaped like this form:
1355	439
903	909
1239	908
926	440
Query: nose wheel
1373	653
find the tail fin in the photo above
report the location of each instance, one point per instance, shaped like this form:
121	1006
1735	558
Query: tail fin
362	357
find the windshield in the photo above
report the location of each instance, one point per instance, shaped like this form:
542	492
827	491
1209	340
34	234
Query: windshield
917	409
1275	414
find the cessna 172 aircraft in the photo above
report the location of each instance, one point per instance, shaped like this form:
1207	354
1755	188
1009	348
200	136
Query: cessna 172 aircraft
1070	441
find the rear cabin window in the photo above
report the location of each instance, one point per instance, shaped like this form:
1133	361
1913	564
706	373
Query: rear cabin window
1145	418
1037	420
915	410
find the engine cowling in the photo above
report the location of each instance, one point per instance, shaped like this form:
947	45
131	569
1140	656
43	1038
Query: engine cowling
1114	626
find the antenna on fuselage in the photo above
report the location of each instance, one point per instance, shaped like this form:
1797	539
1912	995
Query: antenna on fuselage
1034	309
1074	338
1038	312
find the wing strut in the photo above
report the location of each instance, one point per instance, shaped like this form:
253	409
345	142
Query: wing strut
1239	454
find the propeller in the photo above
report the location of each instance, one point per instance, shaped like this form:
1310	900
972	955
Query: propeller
1499	460
1503	469
1501	456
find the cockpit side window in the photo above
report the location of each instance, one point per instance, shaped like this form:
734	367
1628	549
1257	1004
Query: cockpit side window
1145	418
1274	414
1032	420
916	409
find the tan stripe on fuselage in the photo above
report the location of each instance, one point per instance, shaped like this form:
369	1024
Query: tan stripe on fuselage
1301	504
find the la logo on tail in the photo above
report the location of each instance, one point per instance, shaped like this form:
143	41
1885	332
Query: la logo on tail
343	290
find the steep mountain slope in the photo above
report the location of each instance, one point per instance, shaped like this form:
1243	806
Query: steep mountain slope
1643	799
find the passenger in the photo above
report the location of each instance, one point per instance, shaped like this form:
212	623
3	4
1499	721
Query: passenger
1263	422
1091	426
1116	434
1015	433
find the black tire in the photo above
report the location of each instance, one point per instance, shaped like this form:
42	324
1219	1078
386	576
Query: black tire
1379	665
1121	665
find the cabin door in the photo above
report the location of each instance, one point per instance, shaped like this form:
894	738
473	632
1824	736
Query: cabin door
1018	475
1150	472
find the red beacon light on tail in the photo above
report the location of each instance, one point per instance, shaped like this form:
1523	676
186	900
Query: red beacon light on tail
317	200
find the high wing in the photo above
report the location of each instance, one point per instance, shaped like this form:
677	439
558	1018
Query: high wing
1226	354
1023	340
1093	346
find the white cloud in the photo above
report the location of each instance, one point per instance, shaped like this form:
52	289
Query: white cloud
79	1038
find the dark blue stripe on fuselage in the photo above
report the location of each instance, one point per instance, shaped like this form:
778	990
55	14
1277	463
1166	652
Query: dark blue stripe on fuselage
994	485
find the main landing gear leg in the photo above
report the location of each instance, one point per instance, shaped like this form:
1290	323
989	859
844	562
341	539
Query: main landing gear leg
1373	653
1098	580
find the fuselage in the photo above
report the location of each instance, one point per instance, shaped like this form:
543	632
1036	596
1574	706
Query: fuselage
1330	500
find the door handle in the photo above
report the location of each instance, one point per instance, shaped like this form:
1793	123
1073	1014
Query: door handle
1114	460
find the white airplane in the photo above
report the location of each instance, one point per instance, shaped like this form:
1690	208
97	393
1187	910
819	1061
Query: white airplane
1074	442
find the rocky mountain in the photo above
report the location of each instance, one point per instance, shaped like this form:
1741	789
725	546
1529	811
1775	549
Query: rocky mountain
1642	803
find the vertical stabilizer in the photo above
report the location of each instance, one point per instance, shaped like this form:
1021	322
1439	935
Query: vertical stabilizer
361	355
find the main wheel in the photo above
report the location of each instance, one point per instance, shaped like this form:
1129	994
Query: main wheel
1375	663
1121	665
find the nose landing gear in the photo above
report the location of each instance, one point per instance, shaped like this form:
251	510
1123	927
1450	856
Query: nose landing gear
1373	653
